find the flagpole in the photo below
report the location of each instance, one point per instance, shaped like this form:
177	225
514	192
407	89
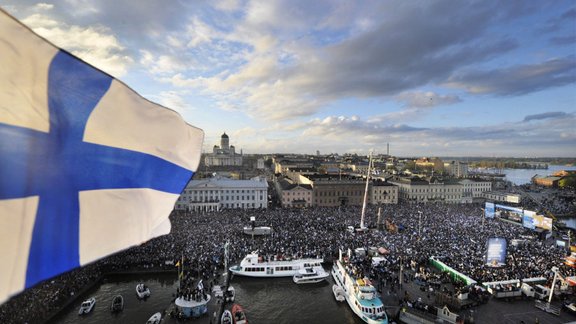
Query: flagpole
181	272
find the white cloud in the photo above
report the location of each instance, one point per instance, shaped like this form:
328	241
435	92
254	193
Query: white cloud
161	65
199	32
44	6
174	42
291	66
95	44
226	5
82	7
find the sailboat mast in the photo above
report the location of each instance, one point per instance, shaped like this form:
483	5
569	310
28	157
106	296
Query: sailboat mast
366	193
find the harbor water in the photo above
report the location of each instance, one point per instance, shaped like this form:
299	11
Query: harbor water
265	300
524	176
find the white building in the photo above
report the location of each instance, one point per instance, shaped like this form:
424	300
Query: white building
472	188
223	155
456	169
294	194
383	193
218	193
420	190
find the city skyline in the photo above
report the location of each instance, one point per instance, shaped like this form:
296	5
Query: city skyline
432	78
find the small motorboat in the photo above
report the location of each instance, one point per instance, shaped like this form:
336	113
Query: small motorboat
154	319
310	275
217	291
117	304
142	291
338	293
238	315
226	317
230	294
87	306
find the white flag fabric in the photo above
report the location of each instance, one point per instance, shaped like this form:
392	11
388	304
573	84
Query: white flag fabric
200	285
87	166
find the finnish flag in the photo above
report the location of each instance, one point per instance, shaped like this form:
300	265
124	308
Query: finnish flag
87	166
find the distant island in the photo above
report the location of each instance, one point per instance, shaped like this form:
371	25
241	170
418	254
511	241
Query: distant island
510	165
518	163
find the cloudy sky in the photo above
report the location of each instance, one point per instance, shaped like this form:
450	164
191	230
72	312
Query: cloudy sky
432	78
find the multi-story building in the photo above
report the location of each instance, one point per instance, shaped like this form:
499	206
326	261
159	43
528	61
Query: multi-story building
294	194
456	169
336	190
546	181
421	190
473	188
218	193
432	163
223	155
383	192
360	167
282	164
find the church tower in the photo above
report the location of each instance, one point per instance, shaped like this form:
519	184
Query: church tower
224	142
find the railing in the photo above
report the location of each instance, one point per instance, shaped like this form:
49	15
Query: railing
547	307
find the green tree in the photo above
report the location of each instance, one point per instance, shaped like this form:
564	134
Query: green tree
568	182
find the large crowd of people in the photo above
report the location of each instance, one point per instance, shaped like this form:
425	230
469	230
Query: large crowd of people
456	234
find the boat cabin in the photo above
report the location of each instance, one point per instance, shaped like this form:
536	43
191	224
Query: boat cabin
371	310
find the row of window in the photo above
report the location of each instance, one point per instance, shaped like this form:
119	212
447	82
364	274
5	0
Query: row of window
421	198
435	190
241	205
338	193
191	191
216	198
385	196
296	193
285	199
215	207
262	269
370	310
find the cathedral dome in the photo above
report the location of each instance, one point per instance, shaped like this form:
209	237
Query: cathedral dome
224	135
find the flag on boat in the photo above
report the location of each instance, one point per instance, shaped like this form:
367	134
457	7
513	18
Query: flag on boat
200	285
87	166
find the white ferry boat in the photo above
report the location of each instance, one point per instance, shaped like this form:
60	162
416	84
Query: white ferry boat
254	265
310	275
361	296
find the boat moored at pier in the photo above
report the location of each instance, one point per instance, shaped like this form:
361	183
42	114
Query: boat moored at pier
310	275
254	265
361	296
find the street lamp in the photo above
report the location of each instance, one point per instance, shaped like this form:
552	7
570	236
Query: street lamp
419	225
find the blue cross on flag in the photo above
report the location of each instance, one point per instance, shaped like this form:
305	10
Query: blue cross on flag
87	166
